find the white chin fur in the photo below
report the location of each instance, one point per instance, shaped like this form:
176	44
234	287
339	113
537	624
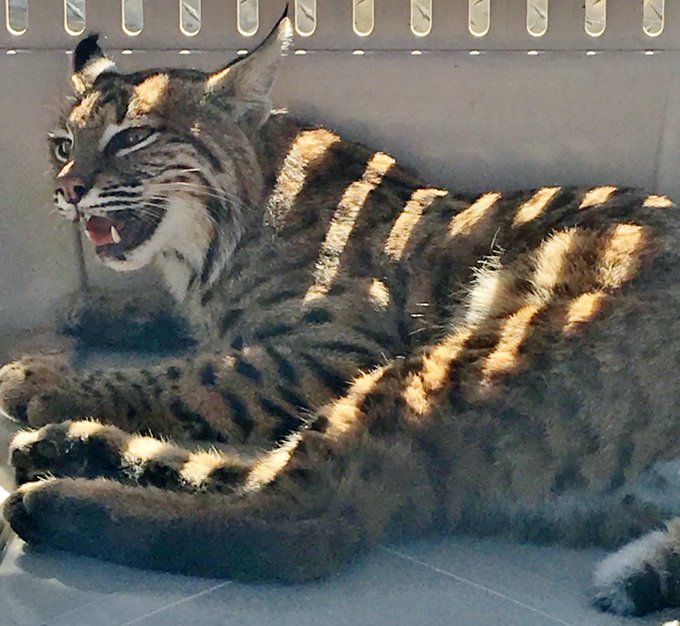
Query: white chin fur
66	210
186	229
135	259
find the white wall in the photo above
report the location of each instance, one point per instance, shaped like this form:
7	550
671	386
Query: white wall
499	119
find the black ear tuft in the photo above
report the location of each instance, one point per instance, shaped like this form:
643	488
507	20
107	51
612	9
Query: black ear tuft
89	62
86	51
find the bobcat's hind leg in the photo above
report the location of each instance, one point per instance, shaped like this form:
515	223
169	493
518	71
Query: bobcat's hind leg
89	449
642	576
305	509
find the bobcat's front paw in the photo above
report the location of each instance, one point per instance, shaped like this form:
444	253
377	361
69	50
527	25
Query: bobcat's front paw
37	390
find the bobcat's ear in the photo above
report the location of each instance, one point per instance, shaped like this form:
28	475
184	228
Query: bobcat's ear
247	83
89	62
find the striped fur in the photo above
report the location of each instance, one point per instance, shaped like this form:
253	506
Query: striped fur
377	355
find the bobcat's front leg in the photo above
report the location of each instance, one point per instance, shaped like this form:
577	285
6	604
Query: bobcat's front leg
202	398
40	390
37	390
302	512
255	396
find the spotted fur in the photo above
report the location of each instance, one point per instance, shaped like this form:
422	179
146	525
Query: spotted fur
377	355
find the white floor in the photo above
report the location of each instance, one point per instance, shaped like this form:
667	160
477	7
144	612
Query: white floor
460	581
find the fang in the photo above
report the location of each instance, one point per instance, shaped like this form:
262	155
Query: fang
114	235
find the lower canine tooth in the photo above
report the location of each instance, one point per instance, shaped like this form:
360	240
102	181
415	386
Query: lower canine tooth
114	235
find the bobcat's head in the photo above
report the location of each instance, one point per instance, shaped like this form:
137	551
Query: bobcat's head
160	165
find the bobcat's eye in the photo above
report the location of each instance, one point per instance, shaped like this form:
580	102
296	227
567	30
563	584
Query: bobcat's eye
131	139
62	148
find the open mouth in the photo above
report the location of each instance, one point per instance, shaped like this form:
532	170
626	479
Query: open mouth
102	231
113	237
106	235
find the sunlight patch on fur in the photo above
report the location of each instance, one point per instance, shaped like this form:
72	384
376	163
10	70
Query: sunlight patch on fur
550	267
464	222
378	294
597	196
535	205
24	438
343	221
655	201
148	95
200	464
505	357
68	166
217	77
344	412
493	292
142	448
419	201
32	486
582	309
620	257
309	146
263	473
84	428
82	112
421	386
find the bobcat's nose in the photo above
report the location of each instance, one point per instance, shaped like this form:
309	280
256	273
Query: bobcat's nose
73	188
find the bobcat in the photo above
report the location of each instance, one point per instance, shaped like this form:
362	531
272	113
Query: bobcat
377	357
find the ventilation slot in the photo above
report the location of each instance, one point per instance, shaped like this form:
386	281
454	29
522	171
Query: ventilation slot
74	17
16	20
596	17
305	17
537	17
363	17
133	17
248	17
479	17
421	17
653	17
190	17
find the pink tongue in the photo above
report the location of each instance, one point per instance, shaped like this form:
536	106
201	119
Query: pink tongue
99	230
